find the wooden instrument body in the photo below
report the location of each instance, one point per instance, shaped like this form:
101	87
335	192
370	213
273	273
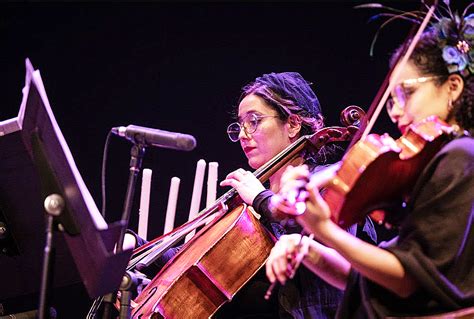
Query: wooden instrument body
380	170
209	270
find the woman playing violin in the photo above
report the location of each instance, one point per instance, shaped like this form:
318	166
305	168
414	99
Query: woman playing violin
274	111
428	269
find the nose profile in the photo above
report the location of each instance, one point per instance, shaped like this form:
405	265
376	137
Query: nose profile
243	134
395	112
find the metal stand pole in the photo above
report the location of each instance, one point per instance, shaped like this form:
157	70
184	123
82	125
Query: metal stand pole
136	156
53	205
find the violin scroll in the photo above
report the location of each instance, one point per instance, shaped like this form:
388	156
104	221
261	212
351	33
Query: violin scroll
352	116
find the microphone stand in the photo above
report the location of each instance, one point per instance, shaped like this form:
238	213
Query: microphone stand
136	153
54	205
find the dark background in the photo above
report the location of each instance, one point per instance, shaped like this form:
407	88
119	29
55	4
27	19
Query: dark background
180	67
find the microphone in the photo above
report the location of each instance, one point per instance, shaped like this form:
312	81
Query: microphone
159	138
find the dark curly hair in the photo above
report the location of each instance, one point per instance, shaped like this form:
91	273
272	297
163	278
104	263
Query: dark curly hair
428	58
290	94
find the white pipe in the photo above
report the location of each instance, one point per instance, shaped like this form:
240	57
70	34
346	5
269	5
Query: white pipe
144	203
211	184
197	191
171	208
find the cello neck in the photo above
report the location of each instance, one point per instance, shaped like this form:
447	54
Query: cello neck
230	199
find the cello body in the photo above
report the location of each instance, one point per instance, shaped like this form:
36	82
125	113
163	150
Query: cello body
209	270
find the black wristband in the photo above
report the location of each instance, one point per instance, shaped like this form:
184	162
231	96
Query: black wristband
261	203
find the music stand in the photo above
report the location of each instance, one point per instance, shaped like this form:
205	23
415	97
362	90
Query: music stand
35	161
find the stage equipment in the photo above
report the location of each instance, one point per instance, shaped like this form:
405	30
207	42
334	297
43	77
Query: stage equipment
38	174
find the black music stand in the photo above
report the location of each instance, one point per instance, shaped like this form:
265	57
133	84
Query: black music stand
35	161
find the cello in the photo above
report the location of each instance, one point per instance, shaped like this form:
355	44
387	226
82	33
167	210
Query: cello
210	269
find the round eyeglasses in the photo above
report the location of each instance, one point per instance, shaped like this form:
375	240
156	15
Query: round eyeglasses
249	124
402	92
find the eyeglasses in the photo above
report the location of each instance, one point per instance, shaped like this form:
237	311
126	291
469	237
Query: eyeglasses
249	124
405	89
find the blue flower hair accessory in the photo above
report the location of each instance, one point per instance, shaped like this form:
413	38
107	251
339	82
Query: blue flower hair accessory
456	40
455	32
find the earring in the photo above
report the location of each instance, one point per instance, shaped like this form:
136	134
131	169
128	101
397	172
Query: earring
450	105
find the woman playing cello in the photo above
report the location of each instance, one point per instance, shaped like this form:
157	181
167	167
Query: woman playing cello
428	269
274	111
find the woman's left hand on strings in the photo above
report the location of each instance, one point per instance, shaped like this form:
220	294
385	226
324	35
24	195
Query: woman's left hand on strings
246	184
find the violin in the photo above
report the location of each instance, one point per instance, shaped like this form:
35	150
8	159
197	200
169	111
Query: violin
374	173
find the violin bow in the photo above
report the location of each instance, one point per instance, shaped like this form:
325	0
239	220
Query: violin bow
387	86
